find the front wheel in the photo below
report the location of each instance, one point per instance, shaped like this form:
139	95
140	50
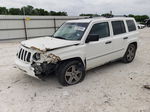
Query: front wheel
70	72
130	54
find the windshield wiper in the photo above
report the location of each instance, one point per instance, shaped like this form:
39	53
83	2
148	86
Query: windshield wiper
59	37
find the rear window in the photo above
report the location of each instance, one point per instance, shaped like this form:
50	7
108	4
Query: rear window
131	25
118	27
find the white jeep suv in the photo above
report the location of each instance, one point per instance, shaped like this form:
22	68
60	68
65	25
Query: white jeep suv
77	46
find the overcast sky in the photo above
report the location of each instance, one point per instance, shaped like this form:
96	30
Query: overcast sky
76	7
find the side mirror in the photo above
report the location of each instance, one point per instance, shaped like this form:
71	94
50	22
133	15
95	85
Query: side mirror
91	38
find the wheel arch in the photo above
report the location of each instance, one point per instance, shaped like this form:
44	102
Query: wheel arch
135	43
75	58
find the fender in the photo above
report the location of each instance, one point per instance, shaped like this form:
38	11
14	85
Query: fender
70	52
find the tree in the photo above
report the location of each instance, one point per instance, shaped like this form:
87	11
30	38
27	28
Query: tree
30	10
3	11
139	18
27	10
40	12
131	15
91	15
62	13
53	13
15	11
107	15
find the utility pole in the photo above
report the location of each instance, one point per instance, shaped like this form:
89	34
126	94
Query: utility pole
24	21
24	12
111	12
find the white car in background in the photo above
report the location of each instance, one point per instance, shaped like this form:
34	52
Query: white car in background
141	26
77	46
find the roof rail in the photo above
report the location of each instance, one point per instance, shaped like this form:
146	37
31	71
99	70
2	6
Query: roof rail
117	16
106	17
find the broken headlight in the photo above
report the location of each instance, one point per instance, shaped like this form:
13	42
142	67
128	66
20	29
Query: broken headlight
37	56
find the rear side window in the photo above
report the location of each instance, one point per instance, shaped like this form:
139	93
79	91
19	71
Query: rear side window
118	27
101	29
131	25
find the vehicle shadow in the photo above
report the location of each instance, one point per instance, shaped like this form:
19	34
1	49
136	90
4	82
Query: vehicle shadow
95	71
104	67
51	80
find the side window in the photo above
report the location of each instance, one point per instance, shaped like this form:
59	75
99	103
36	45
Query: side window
118	27
131	25
101	29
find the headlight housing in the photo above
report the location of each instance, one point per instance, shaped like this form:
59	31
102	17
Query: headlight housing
37	56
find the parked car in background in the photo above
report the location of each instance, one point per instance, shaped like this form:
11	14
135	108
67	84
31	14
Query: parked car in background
77	46
141	26
148	23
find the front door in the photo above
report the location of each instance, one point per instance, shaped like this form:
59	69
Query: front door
98	52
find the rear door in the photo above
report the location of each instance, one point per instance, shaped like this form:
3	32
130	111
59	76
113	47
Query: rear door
120	38
132	31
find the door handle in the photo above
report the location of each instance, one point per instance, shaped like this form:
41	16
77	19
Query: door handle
125	38
109	42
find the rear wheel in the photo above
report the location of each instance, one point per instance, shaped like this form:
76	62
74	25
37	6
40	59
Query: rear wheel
71	72
130	54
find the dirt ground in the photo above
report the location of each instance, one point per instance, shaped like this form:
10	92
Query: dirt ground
115	87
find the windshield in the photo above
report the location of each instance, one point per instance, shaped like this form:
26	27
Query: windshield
71	31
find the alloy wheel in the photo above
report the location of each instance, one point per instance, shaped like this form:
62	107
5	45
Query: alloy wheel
73	74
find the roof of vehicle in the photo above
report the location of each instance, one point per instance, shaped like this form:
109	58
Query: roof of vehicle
98	19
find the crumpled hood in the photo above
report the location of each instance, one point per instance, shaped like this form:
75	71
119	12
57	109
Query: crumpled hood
48	43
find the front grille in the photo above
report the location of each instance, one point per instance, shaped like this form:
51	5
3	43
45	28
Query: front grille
24	55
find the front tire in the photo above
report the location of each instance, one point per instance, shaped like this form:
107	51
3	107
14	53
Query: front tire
70	72
130	54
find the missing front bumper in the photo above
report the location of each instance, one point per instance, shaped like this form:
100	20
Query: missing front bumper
41	70
44	69
25	68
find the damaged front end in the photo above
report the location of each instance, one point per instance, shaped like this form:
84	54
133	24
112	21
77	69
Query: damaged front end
44	69
36	57
44	63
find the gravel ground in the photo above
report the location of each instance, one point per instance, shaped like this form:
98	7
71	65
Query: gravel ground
115	87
